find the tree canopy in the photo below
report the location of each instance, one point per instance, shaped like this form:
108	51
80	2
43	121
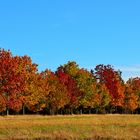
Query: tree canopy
69	89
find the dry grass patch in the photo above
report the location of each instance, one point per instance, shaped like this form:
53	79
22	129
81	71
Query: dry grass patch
70	127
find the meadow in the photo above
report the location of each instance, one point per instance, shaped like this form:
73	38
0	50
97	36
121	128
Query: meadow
70	127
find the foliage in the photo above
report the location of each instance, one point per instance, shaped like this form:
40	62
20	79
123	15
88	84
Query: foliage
56	97
70	89
70	84
109	77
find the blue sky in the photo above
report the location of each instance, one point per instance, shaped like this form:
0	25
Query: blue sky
89	32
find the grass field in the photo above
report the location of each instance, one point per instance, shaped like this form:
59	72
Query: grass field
96	127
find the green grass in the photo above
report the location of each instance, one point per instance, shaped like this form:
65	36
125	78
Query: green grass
98	127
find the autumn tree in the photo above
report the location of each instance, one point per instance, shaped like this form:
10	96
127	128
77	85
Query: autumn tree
30	74
105	74
135	83
9	81
132	94
14	73
100	98
56	96
72	91
35	99
84	81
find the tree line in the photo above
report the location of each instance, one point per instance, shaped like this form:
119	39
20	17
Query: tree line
68	90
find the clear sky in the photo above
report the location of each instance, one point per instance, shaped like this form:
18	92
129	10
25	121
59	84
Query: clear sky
89	32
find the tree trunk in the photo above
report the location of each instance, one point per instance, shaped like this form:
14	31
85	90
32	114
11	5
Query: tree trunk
81	111
61	112
96	110
52	112
89	111
71	111
7	111
23	109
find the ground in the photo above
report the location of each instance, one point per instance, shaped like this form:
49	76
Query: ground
70	127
